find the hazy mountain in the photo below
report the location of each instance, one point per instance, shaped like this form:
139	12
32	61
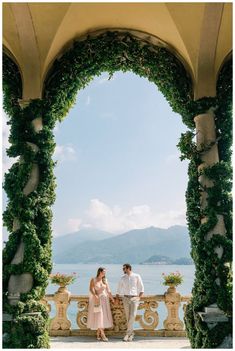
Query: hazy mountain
63	243
134	246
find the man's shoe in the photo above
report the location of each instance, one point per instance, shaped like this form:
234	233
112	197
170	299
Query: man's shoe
131	337
126	337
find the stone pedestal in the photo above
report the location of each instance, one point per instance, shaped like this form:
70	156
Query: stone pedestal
61	322
173	301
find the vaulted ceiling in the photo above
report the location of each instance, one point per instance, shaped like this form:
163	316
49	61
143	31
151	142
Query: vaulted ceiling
199	33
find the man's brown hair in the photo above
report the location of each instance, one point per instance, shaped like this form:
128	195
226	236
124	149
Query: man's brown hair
127	265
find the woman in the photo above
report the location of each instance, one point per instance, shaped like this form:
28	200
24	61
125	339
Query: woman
99	312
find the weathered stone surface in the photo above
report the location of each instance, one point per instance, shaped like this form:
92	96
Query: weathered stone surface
33	180
147	320
37	124
7	317
219	228
16	224
19	255
213	317
213	308
33	146
173	302
19	284
62	300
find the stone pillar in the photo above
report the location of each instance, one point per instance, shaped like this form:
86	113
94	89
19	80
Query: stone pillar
173	301
23	283
206	143
61	322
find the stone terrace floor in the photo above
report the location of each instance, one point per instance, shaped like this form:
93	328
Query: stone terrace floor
89	342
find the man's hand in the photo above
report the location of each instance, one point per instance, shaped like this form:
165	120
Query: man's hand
117	301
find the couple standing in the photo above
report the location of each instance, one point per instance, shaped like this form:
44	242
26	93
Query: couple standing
130	287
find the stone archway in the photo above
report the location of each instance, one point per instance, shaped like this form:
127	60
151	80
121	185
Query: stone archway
30	182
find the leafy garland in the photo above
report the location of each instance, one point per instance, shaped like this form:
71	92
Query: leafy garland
108	52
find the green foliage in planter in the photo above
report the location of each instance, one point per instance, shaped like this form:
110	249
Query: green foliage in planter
111	52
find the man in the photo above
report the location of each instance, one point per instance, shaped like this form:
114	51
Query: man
132	288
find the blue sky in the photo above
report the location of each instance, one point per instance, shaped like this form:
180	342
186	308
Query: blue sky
118	165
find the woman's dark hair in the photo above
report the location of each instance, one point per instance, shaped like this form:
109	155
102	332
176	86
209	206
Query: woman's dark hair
127	265
101	269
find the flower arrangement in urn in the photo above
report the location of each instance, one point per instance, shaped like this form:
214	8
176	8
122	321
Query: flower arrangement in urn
62	279
172	279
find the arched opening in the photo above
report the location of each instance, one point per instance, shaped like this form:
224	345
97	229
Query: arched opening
118	178
32	210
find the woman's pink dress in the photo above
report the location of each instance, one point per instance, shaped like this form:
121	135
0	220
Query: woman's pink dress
104	318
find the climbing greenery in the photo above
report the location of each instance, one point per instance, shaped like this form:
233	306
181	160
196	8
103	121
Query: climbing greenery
109	52
213	278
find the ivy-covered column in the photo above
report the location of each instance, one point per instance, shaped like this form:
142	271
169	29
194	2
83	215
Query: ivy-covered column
209	156
208	317
27	255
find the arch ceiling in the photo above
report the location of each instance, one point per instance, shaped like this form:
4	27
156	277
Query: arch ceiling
200	33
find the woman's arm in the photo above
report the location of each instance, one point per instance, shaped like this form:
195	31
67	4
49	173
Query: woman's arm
109	292
92	289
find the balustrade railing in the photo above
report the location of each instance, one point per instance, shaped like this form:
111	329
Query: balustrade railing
147	318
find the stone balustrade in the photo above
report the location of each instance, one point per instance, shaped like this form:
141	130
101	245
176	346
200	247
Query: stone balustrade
147	317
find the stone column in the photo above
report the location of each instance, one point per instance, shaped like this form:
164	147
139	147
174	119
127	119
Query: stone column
23	283
206	143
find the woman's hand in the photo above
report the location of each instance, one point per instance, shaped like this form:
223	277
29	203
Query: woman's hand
112	299
97	300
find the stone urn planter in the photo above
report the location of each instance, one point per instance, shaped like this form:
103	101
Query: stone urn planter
172	288
62	300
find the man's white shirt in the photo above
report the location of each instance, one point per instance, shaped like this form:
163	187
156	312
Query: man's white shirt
130	285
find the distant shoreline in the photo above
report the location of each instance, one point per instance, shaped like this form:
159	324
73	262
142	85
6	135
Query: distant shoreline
121	263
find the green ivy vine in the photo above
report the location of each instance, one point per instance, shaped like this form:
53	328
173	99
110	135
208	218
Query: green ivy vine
209	266
109	52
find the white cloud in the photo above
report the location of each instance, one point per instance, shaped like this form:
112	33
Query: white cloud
115	220
101	216
64	153
74	224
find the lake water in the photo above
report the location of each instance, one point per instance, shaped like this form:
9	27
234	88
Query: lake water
151	276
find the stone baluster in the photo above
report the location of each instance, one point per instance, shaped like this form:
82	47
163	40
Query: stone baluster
60	323
173	302
148	320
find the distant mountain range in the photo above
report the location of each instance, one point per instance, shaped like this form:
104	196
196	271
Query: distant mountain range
135	246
